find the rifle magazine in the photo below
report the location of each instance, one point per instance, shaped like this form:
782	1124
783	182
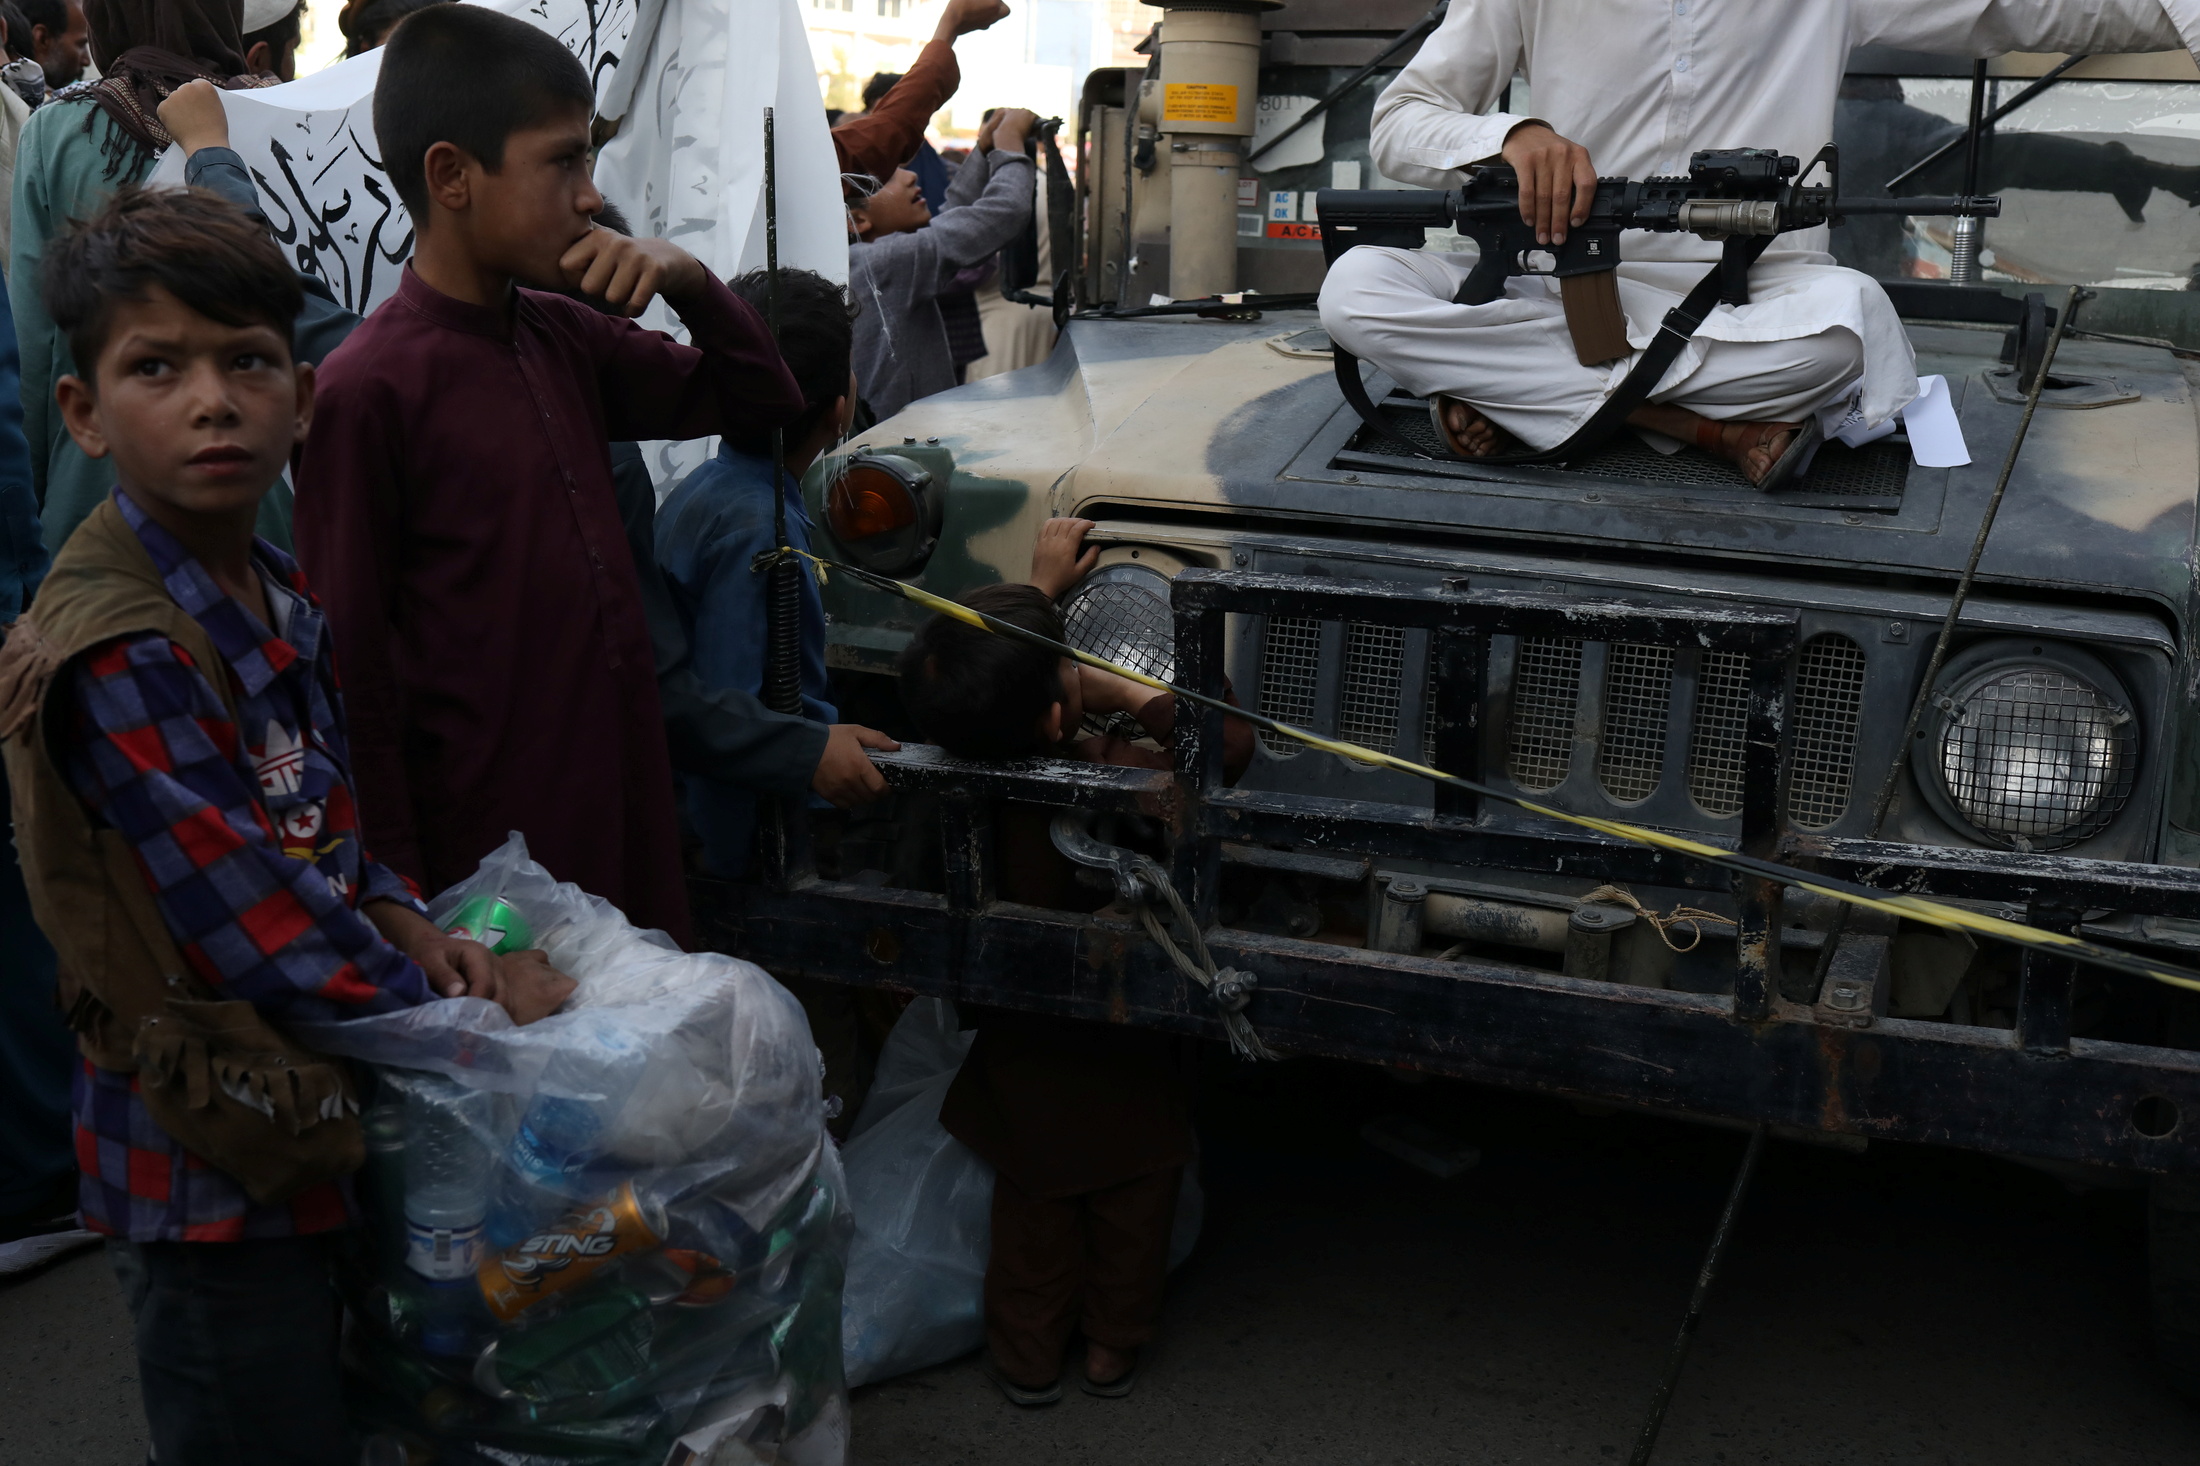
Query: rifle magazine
1593	316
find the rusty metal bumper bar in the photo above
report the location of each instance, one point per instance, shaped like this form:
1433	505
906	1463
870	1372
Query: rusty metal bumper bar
1976	1088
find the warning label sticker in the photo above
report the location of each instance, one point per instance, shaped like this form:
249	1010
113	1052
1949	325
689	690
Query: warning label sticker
1277	230
1198	101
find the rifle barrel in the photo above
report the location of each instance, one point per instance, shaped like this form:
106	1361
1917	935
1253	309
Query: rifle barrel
1986	207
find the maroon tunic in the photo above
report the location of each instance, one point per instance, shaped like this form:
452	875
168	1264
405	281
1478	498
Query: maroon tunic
456	513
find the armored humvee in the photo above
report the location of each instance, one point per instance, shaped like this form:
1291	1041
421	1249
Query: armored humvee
1630	634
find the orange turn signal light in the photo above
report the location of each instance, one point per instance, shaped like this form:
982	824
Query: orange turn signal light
866	502
885	510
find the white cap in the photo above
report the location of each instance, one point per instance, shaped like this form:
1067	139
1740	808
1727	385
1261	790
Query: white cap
260	14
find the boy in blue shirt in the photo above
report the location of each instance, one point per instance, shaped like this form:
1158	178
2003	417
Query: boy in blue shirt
712	527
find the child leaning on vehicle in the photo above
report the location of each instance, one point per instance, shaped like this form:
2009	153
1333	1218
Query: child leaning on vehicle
1087	1125
177	753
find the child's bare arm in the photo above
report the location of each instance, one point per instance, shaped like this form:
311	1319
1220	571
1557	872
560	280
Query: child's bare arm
1104	692
1060	559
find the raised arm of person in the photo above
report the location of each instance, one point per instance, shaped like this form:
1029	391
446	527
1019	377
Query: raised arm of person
347	535
194	117
989	202
886	137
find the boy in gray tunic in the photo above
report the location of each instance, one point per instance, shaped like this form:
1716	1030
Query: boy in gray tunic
901	259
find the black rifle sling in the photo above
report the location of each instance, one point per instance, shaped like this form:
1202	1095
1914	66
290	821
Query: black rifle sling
1634	389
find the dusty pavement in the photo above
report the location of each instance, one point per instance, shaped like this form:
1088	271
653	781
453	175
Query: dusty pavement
1902	1306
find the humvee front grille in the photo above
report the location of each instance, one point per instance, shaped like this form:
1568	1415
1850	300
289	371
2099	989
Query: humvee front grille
1635	710
1638	694
1289	673
1374	659
1539	746
1715	739
1829	702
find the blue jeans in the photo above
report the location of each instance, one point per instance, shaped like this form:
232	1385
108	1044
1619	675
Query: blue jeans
236	1347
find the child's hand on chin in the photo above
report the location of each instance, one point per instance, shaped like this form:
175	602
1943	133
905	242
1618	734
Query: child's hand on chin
627	274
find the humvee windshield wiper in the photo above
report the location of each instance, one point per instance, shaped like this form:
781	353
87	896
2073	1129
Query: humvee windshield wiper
2053	75
1406	37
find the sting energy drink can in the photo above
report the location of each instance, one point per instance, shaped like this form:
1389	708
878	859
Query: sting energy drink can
570	1252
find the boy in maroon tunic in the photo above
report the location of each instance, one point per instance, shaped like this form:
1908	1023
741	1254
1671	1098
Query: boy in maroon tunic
455	500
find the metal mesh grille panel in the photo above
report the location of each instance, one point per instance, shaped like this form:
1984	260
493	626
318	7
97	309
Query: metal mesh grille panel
1428	715
1638	694
1539	747
1374	659
2038	757
1829	699
1290	666
1715	739
1878	470
1125	623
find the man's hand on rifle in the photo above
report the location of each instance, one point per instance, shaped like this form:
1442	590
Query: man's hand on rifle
1558	183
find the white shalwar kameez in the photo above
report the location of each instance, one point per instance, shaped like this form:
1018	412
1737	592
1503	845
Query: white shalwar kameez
1642	84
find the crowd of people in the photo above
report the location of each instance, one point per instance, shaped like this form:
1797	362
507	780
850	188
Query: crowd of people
220	488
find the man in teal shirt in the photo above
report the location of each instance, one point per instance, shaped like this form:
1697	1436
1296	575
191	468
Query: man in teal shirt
76	152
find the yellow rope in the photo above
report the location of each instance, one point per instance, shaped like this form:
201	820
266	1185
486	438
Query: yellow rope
1914	908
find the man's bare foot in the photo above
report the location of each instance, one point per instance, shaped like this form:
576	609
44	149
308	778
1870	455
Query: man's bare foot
1468	433
1104	1366
1752	447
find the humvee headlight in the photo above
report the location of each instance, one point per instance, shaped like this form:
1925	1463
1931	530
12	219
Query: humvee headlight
885	511
2031	751
1121	612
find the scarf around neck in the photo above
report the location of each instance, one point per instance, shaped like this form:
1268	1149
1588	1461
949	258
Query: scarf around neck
145	50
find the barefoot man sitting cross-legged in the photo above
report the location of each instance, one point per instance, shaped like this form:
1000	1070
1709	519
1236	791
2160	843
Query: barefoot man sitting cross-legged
1631	88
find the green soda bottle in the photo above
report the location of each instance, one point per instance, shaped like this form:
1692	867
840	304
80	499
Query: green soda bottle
591	1352
491	921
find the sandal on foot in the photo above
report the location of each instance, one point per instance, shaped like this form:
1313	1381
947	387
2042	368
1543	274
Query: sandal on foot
1114	1389
1017	1394
1436	421
1795	462
1501	441
1792	463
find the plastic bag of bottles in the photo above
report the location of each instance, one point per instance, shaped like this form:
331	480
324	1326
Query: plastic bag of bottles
617	1235
923	1204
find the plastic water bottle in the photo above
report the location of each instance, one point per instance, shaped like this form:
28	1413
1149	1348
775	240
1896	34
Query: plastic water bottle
446	1202
560	1133
384	1178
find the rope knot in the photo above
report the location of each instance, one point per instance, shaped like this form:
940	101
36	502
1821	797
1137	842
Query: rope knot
1693	917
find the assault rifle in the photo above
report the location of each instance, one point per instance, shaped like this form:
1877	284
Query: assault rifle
1742	196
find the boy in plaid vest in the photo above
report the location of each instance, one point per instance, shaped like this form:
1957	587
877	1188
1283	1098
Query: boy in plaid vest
177	751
